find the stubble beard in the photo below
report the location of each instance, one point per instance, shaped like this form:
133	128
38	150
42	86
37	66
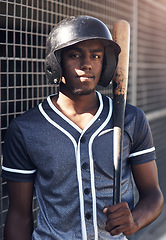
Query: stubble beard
85	89
82	92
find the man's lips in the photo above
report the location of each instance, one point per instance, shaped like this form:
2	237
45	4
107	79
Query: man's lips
85	77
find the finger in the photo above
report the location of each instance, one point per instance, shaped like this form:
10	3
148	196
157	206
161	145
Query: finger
126	229
114	221
119	214
105	209
116	231
117	207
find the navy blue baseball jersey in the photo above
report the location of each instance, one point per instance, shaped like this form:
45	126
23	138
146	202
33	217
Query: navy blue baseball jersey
73	168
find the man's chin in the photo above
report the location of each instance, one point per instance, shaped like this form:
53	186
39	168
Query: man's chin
82	92
77	91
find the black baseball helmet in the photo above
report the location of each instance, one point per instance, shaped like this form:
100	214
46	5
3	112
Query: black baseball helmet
73	30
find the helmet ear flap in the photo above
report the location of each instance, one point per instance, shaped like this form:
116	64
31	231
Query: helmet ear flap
110	64
53	68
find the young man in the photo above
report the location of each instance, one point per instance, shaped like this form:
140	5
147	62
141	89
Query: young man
64	147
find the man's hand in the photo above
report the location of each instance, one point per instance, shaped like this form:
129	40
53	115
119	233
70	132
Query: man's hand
148	208
119	219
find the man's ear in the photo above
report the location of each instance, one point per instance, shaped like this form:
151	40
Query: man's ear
110	61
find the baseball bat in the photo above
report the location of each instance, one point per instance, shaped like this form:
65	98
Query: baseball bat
121	35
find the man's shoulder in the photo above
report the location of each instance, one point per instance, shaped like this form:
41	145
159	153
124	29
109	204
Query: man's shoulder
134	115
133	110
130	109
28	117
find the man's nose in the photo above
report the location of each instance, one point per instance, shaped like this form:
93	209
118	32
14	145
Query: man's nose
86	63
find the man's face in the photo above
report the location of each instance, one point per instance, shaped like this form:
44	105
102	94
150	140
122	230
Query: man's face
82	66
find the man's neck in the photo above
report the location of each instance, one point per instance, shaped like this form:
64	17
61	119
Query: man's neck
79	108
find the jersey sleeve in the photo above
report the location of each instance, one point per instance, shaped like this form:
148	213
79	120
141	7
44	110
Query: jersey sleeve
142	149
17	165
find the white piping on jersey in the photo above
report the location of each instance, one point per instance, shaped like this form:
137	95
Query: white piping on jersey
92	168
96	115
18	170
79	176
61	114
69	121
78	162
105	131
142	152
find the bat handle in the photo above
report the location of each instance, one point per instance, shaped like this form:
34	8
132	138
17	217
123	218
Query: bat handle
118	149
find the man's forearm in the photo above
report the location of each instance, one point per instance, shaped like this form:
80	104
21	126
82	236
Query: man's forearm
148	208
17	227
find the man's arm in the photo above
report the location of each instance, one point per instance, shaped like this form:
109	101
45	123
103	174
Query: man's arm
121	220
151	199
19	220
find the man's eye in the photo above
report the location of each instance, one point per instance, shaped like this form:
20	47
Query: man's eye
96	56
74	55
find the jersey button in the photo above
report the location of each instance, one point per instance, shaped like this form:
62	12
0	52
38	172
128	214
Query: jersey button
85	166
87	191
88	216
